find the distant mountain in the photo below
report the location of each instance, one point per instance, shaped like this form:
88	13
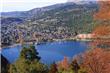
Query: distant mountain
68	15
11	20
40	10
31	12
14	14
38	13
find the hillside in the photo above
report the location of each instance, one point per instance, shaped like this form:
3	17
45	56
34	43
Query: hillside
57	21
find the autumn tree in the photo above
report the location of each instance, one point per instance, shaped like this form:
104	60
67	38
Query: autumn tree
64	64
53	68
102	32
104	10
75	67
102	35
97	61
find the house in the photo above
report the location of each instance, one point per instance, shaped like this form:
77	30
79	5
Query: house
85	36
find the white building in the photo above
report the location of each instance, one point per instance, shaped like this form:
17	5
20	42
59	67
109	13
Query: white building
85	36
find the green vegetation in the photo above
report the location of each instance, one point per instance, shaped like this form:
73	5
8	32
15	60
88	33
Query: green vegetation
57	23
53	68
4	64
28	62
54	22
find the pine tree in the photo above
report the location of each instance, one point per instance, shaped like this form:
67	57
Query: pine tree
28	62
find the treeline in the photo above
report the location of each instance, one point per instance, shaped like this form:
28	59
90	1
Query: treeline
93	61
29	62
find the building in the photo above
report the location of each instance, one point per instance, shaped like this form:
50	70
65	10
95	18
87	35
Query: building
85	36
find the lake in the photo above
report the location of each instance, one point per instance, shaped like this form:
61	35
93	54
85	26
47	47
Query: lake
49	52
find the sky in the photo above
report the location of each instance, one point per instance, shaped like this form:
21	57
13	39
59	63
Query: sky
24	5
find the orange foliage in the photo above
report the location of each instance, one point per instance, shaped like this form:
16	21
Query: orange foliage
102	35
97	61
64	63
102	32
53	68
104	11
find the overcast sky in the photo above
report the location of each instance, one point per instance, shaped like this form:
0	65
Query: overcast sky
24	5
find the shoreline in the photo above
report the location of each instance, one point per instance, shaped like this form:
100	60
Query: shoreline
10	45
54	40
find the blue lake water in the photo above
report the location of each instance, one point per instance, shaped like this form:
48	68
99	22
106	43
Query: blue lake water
49	52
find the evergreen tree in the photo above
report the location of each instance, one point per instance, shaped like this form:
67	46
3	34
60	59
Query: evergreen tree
4	64
30	53
28	62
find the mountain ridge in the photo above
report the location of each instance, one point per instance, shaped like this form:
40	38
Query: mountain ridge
46	8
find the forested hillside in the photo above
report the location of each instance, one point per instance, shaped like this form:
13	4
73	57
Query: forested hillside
57	21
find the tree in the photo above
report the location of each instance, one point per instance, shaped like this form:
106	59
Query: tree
75	67
53	68
28	62
4	64
30	53
102	32
82	70
97	61
104	11
102	35
64	64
